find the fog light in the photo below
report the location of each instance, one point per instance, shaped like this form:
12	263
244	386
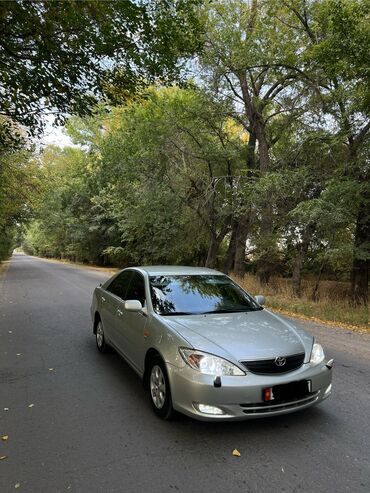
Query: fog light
328	390
204	408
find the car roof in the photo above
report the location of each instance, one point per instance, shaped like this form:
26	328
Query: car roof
177	270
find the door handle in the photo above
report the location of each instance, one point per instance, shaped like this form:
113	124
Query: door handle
103	299
119	312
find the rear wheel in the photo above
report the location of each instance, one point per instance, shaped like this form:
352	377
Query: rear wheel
100	339
159	389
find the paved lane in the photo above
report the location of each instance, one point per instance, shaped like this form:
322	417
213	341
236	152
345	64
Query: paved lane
91	428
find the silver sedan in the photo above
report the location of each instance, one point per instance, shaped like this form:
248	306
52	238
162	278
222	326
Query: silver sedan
205	347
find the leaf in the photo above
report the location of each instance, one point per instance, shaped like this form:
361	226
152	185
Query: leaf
236	453
31	405
17	485
2	457
4	438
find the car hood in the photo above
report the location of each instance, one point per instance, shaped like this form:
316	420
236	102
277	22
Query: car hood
243	336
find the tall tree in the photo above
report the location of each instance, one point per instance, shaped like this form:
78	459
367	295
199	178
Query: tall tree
191	148
250	57
156	180
337	52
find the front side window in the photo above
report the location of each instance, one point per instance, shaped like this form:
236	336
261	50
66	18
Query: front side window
120	284
136	290
195	294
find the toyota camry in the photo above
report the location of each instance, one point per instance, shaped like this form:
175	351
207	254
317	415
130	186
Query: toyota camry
205	347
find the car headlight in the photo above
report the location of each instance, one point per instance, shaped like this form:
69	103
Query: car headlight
208	363
317	354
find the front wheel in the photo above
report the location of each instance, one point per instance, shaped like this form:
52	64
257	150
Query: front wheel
159	389
100	339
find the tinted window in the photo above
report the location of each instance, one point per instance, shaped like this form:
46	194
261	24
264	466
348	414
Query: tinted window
173	295
136	290
120	284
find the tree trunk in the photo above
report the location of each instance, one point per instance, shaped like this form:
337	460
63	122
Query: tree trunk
315	292
241	239
213	251
361	255
235	258
254	114
300	259
296	275
265	266
230	256
216	240
245	220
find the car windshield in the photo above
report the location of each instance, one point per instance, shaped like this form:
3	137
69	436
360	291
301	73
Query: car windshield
198	294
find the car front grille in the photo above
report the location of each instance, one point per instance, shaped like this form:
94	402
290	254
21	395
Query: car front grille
269	366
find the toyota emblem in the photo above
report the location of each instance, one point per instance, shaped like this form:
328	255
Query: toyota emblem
280	361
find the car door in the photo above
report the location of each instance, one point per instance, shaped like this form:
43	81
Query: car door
110	299
131	325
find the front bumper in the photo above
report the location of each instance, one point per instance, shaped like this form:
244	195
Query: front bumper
241	397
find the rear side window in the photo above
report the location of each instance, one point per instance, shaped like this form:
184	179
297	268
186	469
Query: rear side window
136	290
120	284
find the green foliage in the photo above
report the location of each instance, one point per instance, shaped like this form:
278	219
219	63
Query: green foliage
66	224
343	47
152	186
62	56
18	184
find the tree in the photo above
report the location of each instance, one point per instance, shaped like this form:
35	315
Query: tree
337	50
18	187
251	57
59	57
156	179
66	224
178	144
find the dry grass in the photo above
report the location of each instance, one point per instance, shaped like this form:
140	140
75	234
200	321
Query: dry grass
4	266
332	305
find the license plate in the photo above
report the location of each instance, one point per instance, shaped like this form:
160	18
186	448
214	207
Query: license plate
286	392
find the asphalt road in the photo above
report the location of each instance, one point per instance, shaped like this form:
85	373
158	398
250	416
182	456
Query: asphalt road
90	427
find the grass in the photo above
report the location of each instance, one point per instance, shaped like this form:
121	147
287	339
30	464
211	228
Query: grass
332	306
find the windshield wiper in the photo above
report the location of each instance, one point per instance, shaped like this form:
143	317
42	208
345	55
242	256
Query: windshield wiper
226	311
178	313
243	310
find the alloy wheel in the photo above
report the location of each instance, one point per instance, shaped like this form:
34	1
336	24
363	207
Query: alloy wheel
99	335
157	387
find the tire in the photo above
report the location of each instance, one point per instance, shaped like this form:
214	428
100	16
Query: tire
100	339
159	389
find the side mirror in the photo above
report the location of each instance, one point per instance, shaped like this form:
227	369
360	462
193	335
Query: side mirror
260	299
133	306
